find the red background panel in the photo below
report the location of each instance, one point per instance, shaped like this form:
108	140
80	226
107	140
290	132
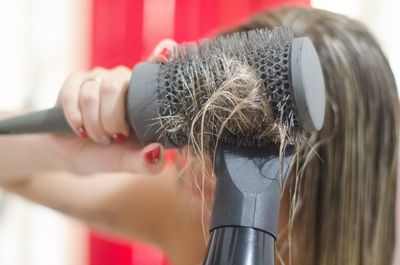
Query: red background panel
118	39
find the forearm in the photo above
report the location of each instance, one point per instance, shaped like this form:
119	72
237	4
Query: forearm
123	204
154	208
24	155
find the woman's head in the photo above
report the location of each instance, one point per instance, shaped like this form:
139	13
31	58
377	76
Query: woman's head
343	193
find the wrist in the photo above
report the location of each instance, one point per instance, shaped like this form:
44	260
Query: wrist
60	154
43	154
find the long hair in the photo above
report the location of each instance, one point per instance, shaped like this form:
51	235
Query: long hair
343	193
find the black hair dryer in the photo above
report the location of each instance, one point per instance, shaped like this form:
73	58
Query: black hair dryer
245	214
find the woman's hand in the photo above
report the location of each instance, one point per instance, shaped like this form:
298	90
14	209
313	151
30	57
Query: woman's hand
94	106
94	102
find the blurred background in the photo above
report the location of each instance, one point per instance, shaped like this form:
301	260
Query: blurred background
42	41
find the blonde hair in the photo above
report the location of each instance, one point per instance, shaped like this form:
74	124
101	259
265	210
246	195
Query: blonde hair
342	190
343	193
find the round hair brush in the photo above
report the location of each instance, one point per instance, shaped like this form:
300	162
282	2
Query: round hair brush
208	80
230	93
164	99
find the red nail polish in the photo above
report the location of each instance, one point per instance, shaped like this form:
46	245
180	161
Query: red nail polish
82	132
118	137
153	155
165	53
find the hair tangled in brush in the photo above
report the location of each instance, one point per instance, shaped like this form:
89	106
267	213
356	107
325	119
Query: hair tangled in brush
234	105
233	89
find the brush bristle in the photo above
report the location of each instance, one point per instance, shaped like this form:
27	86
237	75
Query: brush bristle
205	81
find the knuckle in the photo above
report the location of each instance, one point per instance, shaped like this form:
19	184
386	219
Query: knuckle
88	98
110	87
121	68
72	76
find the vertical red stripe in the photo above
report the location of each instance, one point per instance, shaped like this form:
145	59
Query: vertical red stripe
116	40
187	19
134	31
154	31
208	17
102	251
117	32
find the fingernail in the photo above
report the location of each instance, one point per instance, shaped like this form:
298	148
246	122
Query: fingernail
153	155
165	52
104	140
119	137
82	132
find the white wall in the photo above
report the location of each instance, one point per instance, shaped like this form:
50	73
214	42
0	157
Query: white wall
42	41
381	16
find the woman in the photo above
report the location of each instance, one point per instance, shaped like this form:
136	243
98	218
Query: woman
339	209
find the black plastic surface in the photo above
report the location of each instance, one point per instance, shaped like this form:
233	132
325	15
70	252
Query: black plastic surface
49	120
142	105
300	102
249	182
240	246
308	84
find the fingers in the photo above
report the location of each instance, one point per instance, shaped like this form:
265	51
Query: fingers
89	102
163	51
112	106
94	104
69	100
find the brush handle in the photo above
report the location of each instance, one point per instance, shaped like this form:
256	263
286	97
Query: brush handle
141	110
141	107
45	121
